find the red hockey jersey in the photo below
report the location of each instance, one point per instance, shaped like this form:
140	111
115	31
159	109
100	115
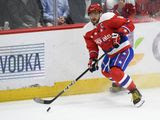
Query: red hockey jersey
101	35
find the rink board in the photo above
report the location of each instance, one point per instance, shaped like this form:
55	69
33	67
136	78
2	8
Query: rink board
81	87
62	58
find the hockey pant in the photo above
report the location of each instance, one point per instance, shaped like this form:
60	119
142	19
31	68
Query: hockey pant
113	68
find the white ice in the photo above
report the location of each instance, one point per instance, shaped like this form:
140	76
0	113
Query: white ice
100	106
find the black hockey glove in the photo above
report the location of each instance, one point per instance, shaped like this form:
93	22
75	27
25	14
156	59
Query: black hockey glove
93	65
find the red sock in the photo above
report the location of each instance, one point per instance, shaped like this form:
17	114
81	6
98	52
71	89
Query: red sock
132	86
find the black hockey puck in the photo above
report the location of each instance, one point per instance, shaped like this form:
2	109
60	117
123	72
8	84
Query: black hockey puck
48	109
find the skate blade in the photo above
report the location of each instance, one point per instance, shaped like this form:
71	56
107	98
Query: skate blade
140	103
117	90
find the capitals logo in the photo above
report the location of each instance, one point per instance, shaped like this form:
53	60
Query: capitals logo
102	39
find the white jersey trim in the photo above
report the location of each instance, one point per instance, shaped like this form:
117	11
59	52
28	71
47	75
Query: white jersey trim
93	52
106	16
89	26
115	50
126	28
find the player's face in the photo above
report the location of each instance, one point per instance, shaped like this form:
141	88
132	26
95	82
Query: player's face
94	17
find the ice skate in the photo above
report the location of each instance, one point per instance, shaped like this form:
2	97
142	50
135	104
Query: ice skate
137	98
115	88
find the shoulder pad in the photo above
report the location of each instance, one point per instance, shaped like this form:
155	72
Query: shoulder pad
88	27
106	16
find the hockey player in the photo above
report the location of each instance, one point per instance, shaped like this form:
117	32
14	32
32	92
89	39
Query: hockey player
125	8
108	31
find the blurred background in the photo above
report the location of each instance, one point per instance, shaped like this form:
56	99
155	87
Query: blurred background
17	14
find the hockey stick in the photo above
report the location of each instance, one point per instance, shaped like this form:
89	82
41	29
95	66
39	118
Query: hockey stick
42	101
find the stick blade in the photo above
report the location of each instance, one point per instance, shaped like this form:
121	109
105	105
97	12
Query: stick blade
39	100
42	101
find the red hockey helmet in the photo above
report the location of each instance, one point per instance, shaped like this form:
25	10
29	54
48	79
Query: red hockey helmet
94	7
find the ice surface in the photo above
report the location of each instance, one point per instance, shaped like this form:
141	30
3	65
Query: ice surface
100	106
